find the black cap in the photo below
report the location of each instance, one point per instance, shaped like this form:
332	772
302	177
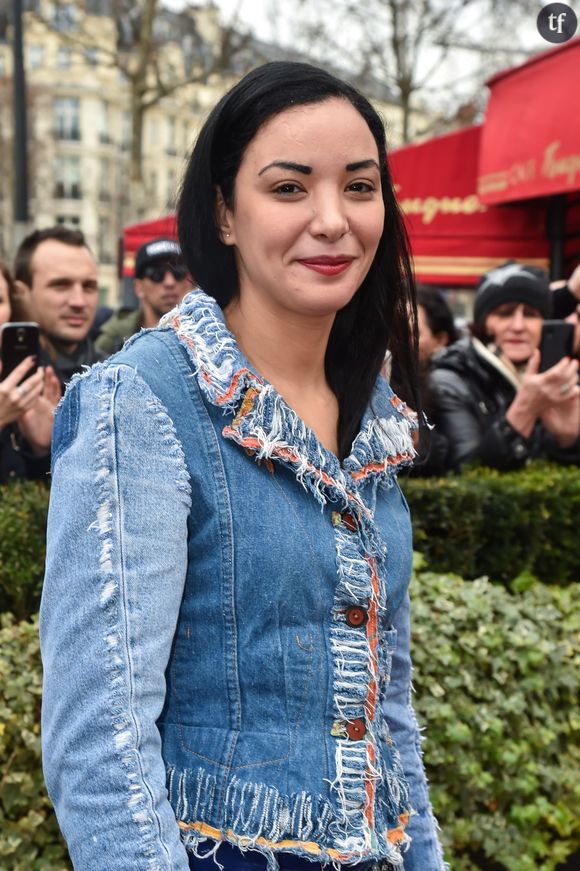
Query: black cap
157	249
512	282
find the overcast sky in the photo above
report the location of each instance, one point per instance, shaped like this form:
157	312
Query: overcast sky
457	69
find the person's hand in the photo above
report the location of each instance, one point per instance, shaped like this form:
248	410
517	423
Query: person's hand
562	416
36	424
17	398
542	392
52	390
555	386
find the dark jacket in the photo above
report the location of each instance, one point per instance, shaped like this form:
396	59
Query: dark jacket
473	391
67	365
117	329
17	459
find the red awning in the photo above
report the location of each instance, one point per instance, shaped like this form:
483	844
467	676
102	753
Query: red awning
530	145
136	235
455	238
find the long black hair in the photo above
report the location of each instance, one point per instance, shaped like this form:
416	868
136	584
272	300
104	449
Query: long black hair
382	314
439	315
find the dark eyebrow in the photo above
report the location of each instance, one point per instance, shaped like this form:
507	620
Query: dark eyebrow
362	164
59	279
285	164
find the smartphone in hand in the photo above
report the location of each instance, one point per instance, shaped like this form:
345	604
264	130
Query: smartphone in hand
18	341
557	341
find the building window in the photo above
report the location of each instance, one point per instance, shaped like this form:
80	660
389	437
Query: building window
69	221
105	175
103	122
106	249
171	185
91	56
63	58
125	131
63	18
67	118
153	183
185	129
35	56
171	148
153	132
68	178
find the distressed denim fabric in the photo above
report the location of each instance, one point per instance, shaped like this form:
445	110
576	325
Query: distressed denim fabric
220	618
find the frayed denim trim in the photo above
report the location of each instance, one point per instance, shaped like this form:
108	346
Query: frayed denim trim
270	427
125	738
258	817
382	447
363	784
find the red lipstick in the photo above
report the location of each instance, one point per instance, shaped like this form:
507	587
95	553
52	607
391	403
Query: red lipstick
327	265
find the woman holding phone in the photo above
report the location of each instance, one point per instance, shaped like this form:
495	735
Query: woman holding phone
225	615
27	404
491	400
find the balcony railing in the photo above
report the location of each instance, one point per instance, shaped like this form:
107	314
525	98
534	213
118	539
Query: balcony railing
68	134
70	191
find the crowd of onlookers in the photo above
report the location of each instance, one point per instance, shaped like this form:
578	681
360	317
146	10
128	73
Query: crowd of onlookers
54	285
485	393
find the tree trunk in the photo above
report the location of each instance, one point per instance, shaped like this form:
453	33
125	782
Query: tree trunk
137	196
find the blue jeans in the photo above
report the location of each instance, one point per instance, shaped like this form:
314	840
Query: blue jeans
233	859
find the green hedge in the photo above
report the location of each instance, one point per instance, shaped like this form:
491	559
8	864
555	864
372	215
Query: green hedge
29	834
496	677
23	508
502	525
483	522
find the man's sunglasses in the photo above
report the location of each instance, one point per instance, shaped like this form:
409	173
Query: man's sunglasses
157	273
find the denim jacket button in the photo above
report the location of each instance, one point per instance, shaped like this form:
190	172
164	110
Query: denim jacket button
356	616
356	730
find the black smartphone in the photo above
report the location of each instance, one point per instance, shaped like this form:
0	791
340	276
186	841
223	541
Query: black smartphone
557	341
18	341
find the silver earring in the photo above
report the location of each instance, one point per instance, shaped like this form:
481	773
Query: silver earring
228	235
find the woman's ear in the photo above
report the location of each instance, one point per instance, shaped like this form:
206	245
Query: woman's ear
223	218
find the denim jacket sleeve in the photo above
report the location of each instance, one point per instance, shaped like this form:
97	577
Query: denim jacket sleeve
424	853
116	564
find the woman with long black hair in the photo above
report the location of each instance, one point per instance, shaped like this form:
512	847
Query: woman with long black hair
225	618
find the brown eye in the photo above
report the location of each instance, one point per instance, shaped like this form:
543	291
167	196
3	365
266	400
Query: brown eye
505	311
531	312
288	188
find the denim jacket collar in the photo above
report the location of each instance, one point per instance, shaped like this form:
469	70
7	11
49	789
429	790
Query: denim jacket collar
268	428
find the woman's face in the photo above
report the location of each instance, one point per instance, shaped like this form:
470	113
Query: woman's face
5	310
308	210
516	330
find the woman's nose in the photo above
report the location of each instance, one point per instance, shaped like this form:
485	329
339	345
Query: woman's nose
518	320
329	218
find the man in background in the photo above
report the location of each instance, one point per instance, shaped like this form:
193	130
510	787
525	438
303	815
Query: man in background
56	285
161	282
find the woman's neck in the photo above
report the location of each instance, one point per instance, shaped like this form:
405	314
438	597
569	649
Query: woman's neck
287	349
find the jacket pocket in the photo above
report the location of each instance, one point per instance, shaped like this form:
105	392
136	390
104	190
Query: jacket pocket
272	717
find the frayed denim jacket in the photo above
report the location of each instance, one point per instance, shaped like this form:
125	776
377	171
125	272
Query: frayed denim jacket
225	618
